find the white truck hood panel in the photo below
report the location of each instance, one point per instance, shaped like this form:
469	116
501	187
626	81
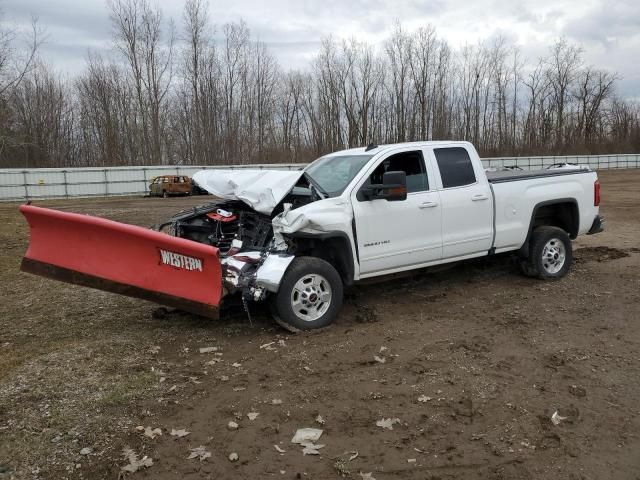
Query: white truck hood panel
262	190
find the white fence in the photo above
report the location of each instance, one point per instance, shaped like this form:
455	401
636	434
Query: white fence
595	162
38	183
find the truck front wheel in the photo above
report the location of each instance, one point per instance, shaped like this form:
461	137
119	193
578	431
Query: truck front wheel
550	253
309	296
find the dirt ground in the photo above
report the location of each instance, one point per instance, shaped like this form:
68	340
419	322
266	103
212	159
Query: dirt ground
471	361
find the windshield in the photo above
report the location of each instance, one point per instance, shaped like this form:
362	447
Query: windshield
334	173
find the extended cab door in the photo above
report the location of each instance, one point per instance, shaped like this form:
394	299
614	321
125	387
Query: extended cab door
467	205
394	235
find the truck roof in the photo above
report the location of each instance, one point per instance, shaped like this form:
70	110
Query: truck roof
390	146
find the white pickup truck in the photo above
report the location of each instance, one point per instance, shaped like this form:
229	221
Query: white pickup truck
298	238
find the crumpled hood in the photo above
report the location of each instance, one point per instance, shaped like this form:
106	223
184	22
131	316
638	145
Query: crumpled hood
262	190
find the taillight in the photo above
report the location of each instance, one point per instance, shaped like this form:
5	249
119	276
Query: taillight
596	193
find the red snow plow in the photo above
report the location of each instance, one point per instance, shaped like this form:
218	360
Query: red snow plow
124	259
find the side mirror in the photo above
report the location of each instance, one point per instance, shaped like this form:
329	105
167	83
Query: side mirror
393	188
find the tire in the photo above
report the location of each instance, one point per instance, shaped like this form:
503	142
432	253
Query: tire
299	304
550	254
165	194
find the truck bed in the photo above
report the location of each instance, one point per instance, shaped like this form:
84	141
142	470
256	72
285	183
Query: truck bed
515	175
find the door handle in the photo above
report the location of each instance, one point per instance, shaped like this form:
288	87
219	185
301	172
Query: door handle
428	205
479	197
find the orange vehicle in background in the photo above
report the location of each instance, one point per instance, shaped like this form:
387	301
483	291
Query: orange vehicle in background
167	185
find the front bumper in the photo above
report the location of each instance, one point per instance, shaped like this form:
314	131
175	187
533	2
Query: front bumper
597	226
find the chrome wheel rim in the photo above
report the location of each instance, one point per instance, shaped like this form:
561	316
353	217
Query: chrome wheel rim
554	255
311	297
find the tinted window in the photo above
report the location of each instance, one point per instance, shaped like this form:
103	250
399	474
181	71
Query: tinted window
410	163
455	166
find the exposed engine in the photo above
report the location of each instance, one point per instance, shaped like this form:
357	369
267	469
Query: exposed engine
227	225
252	263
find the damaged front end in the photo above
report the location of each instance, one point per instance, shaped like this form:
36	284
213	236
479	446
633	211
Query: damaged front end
252	265
235	246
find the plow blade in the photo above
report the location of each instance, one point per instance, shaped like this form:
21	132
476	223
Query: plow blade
125	259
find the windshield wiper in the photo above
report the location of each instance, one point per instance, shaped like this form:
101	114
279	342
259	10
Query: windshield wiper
316	185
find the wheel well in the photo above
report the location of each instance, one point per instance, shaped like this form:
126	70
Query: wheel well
334	248
563	214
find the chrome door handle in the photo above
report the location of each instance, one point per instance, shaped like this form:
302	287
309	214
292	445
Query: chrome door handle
428	204
479	197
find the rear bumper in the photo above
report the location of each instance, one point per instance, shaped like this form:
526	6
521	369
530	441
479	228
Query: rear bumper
597	226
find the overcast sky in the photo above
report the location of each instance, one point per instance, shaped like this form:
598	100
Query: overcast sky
609	32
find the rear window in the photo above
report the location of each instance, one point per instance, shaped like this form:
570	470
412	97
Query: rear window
456	169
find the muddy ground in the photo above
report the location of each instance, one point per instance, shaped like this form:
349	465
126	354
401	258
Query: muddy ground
472	361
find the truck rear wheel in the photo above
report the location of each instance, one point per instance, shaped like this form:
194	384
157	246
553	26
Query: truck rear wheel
550	253
309	296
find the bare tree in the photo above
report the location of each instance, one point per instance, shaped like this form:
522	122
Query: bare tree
200	102
138	36
562	68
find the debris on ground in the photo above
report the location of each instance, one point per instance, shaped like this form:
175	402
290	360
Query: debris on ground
379	359
577	391
311	448
252	415
232	425
179	433
424	399
320	420
86	451
208	349
306	435
276	401
233	457
342	468
279	449
201	453
354	455
149	432
387	423
366	476
556	418
135	463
